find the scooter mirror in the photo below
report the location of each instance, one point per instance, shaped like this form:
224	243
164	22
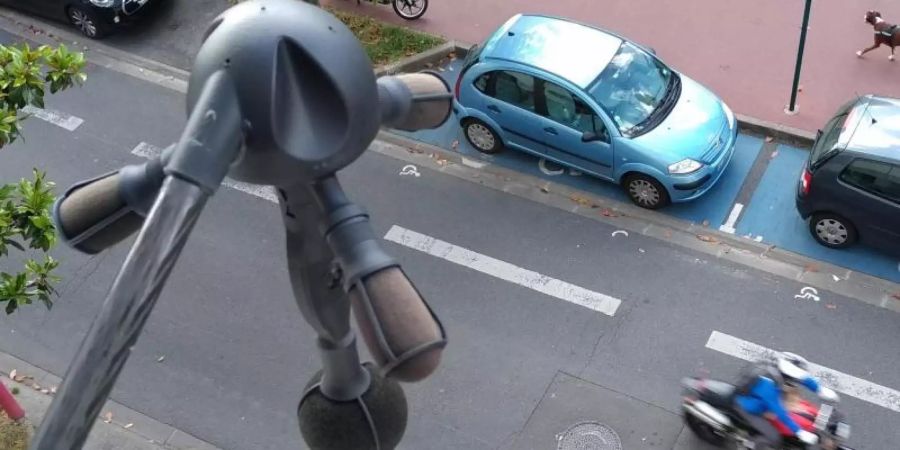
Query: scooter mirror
306	89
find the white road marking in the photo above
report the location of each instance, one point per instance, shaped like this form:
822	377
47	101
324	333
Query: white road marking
504	270
146	150
57	118
473	163
542	166
728	226
410	169
808	293
847	384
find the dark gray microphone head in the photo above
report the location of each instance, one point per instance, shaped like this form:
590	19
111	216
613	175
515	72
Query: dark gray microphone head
331	425
305	85
404	337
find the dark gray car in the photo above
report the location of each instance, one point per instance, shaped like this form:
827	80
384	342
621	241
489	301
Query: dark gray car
850	188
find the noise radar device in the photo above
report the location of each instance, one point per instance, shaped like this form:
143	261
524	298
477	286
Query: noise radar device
282	94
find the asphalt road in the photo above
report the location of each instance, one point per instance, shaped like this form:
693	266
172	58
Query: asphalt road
521	367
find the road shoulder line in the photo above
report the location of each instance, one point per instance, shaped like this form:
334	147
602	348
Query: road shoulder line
767	258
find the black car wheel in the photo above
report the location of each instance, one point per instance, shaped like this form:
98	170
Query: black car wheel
645	191
832	230
87	22
482	137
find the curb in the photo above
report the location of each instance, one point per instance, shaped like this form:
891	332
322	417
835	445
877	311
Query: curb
122	419
768	258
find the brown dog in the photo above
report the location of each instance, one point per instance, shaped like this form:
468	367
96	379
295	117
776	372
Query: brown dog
885	34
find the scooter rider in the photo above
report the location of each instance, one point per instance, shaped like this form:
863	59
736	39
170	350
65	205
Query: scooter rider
760	398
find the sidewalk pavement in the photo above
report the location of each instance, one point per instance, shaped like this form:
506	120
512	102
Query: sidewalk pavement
743	51
118	427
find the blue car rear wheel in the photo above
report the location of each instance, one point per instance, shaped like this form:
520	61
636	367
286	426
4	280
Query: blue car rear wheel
482	137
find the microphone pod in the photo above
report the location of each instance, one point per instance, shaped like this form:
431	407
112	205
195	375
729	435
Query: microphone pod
404	336
374	421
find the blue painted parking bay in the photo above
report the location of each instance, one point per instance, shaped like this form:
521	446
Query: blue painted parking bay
770	213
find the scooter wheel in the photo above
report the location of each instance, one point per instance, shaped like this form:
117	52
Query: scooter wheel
704	431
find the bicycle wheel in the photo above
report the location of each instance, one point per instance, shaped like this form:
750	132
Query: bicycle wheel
410	9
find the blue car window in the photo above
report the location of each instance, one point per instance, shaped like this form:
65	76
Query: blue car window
481	83
515	88
569	110
631	87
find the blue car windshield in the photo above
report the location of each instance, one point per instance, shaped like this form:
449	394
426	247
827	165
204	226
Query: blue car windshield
632	87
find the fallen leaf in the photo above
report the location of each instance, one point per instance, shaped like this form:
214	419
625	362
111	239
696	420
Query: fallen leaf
36	386
769	139
451	55
53	390
830	306
811	267
705	222
642	250
107	417
12	374
128	426
45	391
668	234
161	358
454	144
429	65
896	295
441	69
608	213
706	238
580	199
544	189
836	278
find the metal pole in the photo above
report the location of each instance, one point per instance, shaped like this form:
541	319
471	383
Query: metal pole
118	324
792	108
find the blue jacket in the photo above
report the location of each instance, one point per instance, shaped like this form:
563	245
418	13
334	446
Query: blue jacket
765	396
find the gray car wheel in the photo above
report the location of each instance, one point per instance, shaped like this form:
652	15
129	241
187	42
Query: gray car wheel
87	22
482	137
645	191
832	230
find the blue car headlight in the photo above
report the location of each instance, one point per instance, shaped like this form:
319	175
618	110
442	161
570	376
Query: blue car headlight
685	167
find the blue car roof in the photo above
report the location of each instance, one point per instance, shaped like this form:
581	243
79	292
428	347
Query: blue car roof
570	50
878	129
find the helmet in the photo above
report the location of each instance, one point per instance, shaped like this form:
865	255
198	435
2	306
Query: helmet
793	368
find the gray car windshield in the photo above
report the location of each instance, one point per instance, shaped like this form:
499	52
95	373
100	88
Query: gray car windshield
631	87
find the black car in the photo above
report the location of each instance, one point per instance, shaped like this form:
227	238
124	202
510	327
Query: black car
850	187
94	18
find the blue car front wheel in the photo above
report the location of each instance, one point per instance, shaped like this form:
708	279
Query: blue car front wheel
645	191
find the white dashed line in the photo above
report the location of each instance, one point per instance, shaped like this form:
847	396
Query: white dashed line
146	150
504	270
57	118
841	382
728	226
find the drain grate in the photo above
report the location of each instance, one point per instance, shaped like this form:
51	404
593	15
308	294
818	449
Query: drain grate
589	436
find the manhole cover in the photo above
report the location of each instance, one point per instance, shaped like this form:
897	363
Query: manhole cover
589	436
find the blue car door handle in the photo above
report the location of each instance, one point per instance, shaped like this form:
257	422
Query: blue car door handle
494	109
550	130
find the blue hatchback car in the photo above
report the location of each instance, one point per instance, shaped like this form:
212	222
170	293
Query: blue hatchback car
594	101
